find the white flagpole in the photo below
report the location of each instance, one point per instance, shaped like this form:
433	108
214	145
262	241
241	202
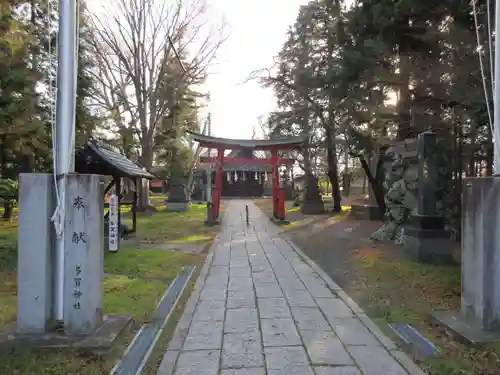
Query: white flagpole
65	130
496	91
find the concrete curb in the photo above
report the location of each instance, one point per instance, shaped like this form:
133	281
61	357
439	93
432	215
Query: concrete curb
387	343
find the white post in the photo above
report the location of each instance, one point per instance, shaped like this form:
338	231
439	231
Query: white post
113	223
65	128
496	91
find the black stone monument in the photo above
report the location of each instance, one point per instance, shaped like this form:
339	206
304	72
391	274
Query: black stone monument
425	236
178	200
311	202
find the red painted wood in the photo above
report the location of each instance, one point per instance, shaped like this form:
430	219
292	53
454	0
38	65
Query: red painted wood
218	178
281	204
274	162
255	161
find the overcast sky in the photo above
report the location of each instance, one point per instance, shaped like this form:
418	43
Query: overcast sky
257	30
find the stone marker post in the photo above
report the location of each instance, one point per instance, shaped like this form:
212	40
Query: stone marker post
426	238
178	200
479	318
481	251
35	253
311	201
84	254
428	174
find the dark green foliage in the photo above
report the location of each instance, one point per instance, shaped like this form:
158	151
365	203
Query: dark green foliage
387	70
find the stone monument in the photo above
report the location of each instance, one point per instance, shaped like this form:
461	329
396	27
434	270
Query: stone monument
35	288
287	186
84	254
178	199
426	238
311	201
413	199
479	318
83	273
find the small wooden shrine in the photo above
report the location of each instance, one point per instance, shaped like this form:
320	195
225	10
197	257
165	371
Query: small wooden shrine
99	158
241	179
244	171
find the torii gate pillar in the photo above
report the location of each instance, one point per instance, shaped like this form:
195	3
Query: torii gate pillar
278	194
217	192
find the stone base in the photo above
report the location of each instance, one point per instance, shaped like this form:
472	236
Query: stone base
312	208
435	249
279	221
99	342
212	222
366	212
427	241
177	206
463	330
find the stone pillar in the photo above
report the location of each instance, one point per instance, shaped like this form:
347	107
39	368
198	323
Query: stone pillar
177	200
35	253
481	251
311	202
83	254
428	174
479	317
426	239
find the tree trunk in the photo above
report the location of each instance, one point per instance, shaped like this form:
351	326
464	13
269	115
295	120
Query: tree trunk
143	196
377	189
143	188
333	173
334	37
8	207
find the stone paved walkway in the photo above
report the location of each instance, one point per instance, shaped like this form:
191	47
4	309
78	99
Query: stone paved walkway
260	308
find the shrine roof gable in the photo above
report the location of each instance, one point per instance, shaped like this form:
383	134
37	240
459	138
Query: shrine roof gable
98	157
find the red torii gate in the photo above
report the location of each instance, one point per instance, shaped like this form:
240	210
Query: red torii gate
273	145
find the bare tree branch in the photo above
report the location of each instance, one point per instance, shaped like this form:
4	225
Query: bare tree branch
149	52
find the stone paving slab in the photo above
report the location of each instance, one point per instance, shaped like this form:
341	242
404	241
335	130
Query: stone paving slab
261	307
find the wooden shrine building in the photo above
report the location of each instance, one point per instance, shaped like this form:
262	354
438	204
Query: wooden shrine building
245	170
244	173
120	173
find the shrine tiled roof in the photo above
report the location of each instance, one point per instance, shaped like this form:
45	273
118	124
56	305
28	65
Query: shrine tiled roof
101	158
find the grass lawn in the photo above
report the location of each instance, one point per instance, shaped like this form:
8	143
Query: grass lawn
295	218
393	290
172	226
134	282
